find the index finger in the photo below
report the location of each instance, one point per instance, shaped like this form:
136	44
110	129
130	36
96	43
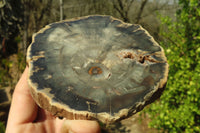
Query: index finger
23	107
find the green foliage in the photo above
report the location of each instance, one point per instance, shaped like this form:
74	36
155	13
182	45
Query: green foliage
7	66
179	107
2	128
4	68
21	62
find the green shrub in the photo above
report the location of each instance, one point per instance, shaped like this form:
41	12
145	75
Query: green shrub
4	75
2	128
179	108
21	62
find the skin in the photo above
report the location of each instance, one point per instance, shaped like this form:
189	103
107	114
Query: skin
26	117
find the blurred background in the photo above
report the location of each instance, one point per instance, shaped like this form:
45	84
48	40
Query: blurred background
174	24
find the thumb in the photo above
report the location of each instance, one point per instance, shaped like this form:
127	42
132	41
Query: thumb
80	126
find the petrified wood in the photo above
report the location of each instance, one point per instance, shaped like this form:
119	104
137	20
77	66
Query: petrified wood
95	67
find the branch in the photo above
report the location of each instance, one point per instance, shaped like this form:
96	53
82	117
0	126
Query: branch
118	9
123	13
129	5
157	9
121	5
141	10
49	3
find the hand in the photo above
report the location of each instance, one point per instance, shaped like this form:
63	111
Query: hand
26	117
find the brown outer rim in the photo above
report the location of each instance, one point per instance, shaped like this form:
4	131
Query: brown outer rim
61	110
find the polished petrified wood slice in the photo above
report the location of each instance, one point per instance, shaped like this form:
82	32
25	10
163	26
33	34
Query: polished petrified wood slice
95	67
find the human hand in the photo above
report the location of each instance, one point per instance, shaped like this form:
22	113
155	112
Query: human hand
26	117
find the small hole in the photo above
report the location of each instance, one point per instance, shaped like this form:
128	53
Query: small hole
141	59
60	117
128	55
95	70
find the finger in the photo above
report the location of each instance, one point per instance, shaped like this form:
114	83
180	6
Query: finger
43	115
23	108
80	126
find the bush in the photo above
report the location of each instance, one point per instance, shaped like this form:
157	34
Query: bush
4	75
2	128
179	107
